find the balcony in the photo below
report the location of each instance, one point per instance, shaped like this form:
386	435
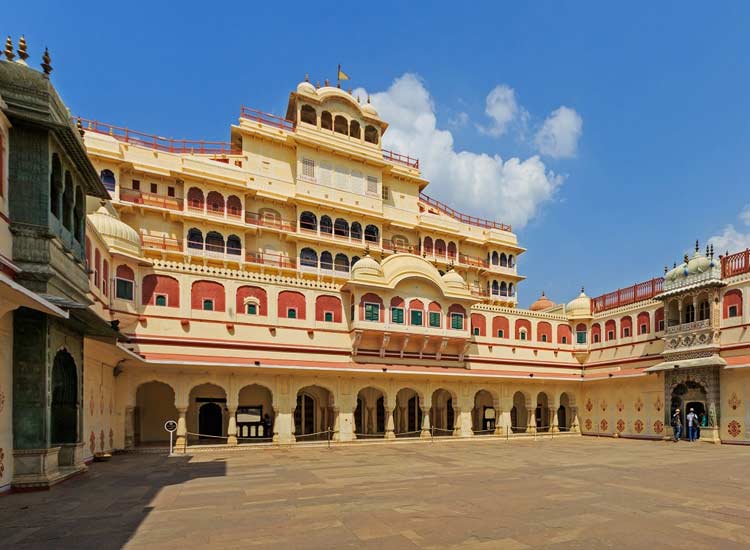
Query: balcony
150	199
214	252
406	160
325	271
735	264
689	327
264	118
627	296
463	218
167	244
271	259
270	222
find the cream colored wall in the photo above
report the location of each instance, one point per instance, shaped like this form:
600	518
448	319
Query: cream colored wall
99	412
6	400
632	407
735	406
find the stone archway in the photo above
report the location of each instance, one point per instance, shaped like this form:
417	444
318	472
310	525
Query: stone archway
442	413
64	411
541	415
519	415
408	413
154	405
696	385
370	414
255	413
207	410
484	416
314	414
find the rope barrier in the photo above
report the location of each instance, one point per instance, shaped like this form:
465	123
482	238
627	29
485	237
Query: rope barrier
207	435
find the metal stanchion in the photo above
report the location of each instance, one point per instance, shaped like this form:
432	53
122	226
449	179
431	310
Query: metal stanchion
328	436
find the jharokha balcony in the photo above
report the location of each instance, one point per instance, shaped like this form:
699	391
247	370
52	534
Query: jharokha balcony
626	296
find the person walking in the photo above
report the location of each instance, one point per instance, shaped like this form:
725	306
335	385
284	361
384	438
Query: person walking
692	425
677	425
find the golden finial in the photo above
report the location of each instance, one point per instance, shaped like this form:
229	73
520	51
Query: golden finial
9	48
317	85
326	82
368	98
686	258
358	101
307	77
80	127
697	246
665	270
582	291
22	53
46	60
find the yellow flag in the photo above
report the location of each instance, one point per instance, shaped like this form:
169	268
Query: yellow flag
342	74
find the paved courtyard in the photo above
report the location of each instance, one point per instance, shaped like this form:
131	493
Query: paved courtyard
566	493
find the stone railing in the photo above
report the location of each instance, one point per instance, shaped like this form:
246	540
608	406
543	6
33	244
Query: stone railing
687	327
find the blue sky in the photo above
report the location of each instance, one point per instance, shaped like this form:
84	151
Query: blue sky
661	89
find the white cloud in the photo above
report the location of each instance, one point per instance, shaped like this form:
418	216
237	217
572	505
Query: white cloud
730	239
509	190
502	108
459	120
558	136
745	215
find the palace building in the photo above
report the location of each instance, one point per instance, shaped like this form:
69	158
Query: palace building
298	283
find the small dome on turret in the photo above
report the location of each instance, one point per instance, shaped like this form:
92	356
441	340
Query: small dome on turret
118	235
579	308
369	109
306	86
366	266
454	280
542	303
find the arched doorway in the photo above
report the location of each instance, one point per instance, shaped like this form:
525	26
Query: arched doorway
64	407
206	418
442	415
369	416
685	396
542	413
518	414
314	414
563	413
255	415
408	413
210	420
154	405
483	415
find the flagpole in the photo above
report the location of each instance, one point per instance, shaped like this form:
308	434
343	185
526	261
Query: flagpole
338	77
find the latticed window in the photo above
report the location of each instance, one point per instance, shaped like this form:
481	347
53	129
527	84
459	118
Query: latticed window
416	317
124	289
328	317
435	319
385	192
372	185
372	312
397	315
457	321
308	168
251	309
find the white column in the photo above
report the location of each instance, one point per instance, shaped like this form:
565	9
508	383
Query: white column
425	422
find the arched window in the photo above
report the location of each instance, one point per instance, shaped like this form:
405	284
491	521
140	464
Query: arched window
328	309
704	311
326	121
356	231
55	186
207	296
440	247
251	300
495	288
105	277
214	241
340	125
427	244
326	260
523	329
341	263
503	289
596	333
79	225
160	290
326	225
500	327
124	283
341	227
371	234
689	313
644	322
354	129
195	238
610	330
452	250
308	258
234	206
732	304
108	179
495	258
581	333
626	327
355	259
511	290
544	331
308	221
478	324
97	267
371	134
511	260
67	205
195	198
234	245
291	305
215	202
308	115
503	260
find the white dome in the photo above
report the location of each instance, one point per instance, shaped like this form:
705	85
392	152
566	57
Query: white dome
366	265
118	235
454	280
579	308
305	87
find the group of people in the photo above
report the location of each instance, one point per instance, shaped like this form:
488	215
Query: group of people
693	422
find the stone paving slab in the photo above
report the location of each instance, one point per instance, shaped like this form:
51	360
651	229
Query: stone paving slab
566	493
